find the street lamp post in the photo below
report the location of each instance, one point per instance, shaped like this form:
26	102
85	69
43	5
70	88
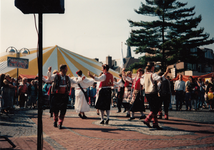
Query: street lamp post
13	50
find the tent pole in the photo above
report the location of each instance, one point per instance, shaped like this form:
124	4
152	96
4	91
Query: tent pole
40	111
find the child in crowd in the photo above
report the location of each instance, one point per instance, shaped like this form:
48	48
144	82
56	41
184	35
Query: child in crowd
188	98
205	95
210	97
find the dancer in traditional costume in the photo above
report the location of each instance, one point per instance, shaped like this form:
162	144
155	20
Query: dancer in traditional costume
120	93
103	101
127	97
137	102
60	90
149	81
81	99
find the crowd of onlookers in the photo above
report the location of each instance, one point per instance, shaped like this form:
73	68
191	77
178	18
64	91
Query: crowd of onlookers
195	93
22	93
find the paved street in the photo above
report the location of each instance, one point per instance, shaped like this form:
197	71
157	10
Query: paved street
183	130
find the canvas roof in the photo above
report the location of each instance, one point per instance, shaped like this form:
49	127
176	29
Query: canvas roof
54	56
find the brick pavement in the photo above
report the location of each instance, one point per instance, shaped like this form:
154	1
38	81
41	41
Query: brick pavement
80	133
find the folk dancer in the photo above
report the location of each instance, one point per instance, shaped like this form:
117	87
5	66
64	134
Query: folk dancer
81	103
137	102
103	101
50	79
120	93
127	90
60	90
164	93
149	81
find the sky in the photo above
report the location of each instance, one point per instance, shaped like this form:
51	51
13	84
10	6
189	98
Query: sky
92	28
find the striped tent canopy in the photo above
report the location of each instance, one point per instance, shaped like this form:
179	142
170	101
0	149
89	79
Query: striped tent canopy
54	56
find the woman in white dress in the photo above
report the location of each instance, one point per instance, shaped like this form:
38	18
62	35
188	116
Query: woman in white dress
81	102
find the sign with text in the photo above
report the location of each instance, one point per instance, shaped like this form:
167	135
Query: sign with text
17	62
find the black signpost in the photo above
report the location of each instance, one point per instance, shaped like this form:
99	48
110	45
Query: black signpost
40	7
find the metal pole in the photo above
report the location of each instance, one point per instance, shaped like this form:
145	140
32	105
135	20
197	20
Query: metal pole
40	111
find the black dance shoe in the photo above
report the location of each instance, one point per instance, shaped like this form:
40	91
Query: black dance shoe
102	122
84	117
160	117
80	115
157	127
107	121
147	123
55	124
60	126
131	118
143	117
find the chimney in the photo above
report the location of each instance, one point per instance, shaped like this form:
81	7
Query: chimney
109	61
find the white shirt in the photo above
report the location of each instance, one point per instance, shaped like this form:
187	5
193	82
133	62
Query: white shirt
119	83
50	76
179	85
72	81
100	78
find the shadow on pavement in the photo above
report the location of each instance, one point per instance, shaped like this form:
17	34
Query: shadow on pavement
95	129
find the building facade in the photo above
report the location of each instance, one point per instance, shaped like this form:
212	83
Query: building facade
205	64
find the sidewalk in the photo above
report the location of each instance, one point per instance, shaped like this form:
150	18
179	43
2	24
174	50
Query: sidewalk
120	134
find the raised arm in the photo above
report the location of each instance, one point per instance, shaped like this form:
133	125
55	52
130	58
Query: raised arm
100	78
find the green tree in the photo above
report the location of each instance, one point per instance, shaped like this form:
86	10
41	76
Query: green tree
170	37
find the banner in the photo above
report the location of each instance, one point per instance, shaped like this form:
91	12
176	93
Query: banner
17	62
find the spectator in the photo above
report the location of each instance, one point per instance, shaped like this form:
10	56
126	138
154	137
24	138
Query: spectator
23	91
32	93
194	91
201	93
179	88
7	92
210	98
205	95
72	97
210	84
46	98
187	98
93	92
2	76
